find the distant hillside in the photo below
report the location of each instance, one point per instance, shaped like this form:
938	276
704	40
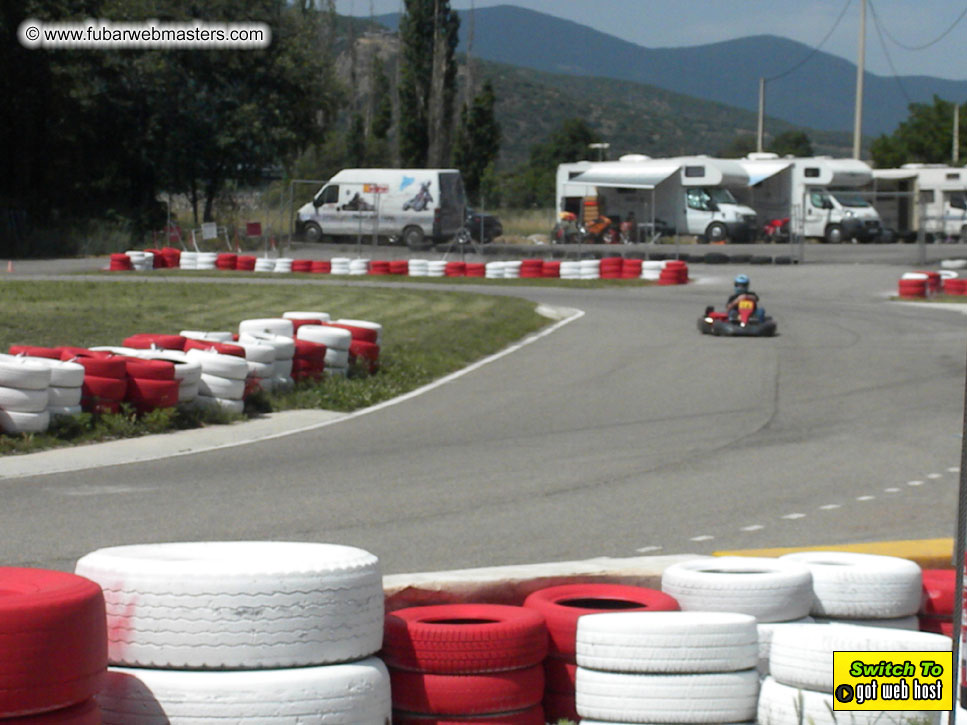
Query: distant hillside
817	95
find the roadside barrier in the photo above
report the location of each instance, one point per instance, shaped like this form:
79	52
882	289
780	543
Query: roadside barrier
921	284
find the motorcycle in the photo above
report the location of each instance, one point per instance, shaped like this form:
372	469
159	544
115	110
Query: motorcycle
743	323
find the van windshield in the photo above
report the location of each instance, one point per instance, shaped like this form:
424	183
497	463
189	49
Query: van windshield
721	195
853	200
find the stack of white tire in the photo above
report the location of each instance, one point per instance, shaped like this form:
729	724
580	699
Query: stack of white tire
880	591
337	341
260	358
953	263
777	592
436	268
512	269
800	687
66	381
666	667
188	260
283	265
368	324
359	266
305	315
651	270
590	269
206	260
339	265
24	395
570	270
141	261
264	264
494	270
253	632
418	268
222	383
279	333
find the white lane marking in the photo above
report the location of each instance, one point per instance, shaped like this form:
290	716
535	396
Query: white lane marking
792	517
703	537
754	527
955	469
891	490
100	490
914	483
865	498
830	507
647	549
934	476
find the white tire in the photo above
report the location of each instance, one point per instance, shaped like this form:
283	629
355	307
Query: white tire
229	405
766	631
357	693
858	586
22	400
224	366
337	358
300	315
56	411
264	265
187	369
257	352
238	605
336	338
62	373
261	369
24	373
284	346
802	655
213	336
219	387
771	590
281	369
369	325
63	397
667	642
13	422
706	698
783	705
267	326
911	623
187	392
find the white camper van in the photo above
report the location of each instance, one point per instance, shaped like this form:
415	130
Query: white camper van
818	195
685	195
931	196
408	205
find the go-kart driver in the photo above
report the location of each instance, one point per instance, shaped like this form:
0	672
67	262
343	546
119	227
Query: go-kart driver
742	290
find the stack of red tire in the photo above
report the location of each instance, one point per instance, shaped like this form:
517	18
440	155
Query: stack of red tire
466	663
937	605
532	269
455	269
54	655
148	340
302	265
158	259
955	286
120	263
151	384
551	270
309	360
363	346
172	257
321	266
475	269
561	606
379	267
222	348
611	267
225	260
105	379
245	263
934	281
631	269
912	287
675	271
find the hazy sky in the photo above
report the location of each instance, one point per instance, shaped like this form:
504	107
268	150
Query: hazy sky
669	23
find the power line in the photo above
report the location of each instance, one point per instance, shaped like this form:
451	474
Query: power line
814	50
936	40
889	60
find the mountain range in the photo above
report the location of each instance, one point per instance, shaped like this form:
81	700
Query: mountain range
817	94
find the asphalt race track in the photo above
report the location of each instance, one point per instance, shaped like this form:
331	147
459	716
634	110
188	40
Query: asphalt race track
624	432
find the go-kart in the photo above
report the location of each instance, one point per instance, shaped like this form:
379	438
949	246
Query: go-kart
743	322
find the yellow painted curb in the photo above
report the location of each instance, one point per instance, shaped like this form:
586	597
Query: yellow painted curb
928	553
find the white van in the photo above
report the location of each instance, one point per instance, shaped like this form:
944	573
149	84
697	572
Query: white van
408	205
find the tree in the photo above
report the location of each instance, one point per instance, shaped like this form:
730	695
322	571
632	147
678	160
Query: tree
925	137
792	143
477	144
742	145
428	80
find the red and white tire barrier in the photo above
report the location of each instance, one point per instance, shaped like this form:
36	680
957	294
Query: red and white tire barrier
54	651
24	395
337	341
937	604
465	660
222	383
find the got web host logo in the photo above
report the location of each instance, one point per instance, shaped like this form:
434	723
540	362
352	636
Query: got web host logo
892	680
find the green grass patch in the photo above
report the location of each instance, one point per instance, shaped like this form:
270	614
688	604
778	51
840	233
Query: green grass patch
427	334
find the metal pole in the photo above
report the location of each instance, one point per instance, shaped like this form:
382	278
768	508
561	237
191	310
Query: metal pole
860	63
921	234
760	128
955	151
960	547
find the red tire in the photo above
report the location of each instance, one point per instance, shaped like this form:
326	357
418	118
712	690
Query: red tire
368	351
101	367
87	713
321	266
939	589
560	675
109	389
314	352
530	716
940	625
464	638
33	351
53	628
562	605
359	333
429	694
223	348
148	394
137	367
560	706
145	340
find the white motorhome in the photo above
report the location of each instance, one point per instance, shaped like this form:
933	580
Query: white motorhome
410	205
931	196
685	195
820	196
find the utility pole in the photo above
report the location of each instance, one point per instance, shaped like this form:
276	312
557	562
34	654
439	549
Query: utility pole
860	69
760	128
955	151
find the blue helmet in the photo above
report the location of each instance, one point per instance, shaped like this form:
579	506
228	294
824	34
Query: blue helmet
742	280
